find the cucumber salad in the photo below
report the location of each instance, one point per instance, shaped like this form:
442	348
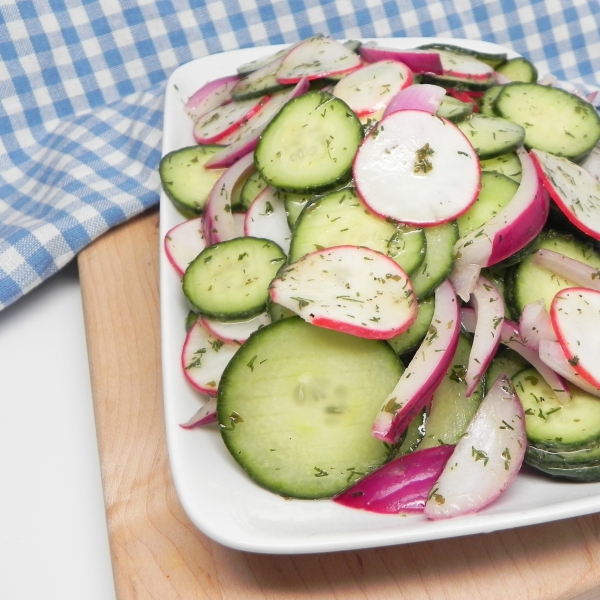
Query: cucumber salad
392	266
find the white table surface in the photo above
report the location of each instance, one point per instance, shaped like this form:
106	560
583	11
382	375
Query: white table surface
53	538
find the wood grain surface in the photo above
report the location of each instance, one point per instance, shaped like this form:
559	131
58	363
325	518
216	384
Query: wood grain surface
158	554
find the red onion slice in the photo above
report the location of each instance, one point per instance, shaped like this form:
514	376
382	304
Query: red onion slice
574	270
486	459
203	416
210	96
535	325
510	337
219	225
400	486
424	96
418	61
425	370
510	230
247	137
488	304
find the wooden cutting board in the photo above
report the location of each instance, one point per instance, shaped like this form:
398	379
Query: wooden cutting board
158	554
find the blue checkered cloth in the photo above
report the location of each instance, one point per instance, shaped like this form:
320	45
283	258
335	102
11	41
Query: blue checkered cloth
82	82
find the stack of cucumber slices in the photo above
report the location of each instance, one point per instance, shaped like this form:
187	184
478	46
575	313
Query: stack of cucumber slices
391	261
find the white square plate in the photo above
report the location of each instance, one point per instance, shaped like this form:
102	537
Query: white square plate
218	496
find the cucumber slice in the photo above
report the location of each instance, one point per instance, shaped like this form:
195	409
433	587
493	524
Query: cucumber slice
453	109
526	282
496	192
490	58
310	144
439	259
506	361
296	404
229	281
556	121
491	136
261	82
518	69
451	410
339	218
253	185
551	425
411	338
506	164
185	179
458	83
487	101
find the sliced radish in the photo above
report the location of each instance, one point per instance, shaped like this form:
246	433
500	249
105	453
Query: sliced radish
204	357
489	308
464	66
535	325
267	218
486	459
553	356
184	242
210	96
591	163
510	337
574	270
348	288
425	370
510	230
575	314
400	486
370	88
315	58
246	137
211	127
575	191
407	164
203	416
235	331
219	225
418	61
424	96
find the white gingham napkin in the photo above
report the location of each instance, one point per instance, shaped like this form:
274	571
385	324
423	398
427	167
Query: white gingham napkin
82	82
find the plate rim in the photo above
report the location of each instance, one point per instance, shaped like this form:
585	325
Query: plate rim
253	539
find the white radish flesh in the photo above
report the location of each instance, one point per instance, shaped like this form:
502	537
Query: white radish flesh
348	288
552	355
486	459
211	127
575	191
407	164
235	331
184	242
370	88
204	358
425	370
575	314
315	58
